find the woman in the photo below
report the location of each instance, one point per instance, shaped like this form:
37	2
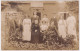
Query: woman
35	29
44	23
71	27
26	29
62	27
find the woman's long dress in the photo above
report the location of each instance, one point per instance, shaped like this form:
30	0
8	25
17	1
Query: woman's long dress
62	28
35	30
71	26
26	30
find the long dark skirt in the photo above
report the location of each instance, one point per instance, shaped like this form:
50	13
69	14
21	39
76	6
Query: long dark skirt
35	35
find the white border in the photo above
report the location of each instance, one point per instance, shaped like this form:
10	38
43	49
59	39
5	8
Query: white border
79	24
38	0
0	25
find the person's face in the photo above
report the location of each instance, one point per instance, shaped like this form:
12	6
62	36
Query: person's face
61	17
35	16
45	16
52	23
35	13
68	15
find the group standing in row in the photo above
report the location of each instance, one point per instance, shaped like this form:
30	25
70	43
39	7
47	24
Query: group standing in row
33	27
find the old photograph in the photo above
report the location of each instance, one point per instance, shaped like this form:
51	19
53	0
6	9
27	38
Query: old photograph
40	25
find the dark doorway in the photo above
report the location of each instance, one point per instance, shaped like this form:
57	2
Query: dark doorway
64	16
39	14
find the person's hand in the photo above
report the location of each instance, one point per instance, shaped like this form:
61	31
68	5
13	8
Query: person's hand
35	30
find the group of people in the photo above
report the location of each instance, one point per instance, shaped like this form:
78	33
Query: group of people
33	27
67	27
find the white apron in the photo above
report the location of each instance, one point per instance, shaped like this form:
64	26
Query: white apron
27	29
71	26
62	28
44	24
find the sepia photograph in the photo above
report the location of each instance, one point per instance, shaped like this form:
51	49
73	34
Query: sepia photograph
40	25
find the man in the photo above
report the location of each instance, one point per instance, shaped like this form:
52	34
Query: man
26	29
71	27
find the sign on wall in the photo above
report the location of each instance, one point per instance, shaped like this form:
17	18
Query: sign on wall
36	4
